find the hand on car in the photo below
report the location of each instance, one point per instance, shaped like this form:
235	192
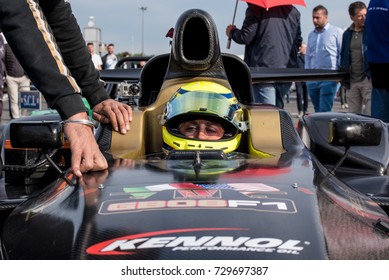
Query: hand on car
114	112
86	155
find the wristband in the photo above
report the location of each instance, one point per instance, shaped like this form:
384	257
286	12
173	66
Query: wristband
80	121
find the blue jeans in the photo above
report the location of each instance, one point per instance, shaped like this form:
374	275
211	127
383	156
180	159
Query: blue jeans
322	95
264	93
380	104
282	89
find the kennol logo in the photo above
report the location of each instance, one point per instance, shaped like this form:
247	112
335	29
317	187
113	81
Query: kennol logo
128	245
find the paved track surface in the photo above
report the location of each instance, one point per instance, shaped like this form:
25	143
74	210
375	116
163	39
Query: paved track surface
291	107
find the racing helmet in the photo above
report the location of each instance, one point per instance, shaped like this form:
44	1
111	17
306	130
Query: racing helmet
206	101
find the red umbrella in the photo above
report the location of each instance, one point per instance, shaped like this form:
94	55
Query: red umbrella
272	3
267	4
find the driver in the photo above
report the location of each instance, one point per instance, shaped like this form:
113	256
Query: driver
201	129
202	115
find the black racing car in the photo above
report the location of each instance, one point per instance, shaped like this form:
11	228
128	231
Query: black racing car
316	192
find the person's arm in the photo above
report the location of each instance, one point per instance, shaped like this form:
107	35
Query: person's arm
77	58
297	41
34	46
2	61
248	32
24	26
99	63
308	54
58	64
343	53
339	39
72	46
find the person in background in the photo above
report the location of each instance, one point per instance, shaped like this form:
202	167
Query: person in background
109	59
126	64
353	54
377	42
2	71
287	95
301	87
96	59
323	52
17	81
342	96
48	43
141	64
272	38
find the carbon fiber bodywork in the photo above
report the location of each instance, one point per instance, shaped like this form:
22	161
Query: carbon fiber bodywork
282	195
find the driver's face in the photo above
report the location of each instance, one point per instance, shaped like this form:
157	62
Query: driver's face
201	129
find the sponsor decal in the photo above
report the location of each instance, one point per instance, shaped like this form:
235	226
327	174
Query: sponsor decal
263	204
147	191
175	240
254	196
196	193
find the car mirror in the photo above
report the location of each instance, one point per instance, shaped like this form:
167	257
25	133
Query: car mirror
348	132
38	134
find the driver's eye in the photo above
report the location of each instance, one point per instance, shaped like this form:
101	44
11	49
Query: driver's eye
209	130
212	130
192	129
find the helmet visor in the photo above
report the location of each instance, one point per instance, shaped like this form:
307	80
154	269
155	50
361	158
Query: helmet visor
205	103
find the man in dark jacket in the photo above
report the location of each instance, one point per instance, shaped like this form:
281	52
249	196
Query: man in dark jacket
2	71
301	87
48	43
353	59
377	41
272	38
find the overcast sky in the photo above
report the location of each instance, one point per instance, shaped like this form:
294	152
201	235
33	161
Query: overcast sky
121	20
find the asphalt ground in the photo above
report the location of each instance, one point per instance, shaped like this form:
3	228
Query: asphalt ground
291	107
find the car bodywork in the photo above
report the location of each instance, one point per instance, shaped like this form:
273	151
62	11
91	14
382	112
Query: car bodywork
284	194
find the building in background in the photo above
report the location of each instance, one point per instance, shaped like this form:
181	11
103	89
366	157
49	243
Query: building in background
92	34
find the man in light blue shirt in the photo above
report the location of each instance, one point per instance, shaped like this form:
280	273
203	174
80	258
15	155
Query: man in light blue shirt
323	52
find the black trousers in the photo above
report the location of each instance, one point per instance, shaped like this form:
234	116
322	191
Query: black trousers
302	96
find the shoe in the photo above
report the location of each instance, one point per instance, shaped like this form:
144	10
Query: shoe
300	114
343	106
346	105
